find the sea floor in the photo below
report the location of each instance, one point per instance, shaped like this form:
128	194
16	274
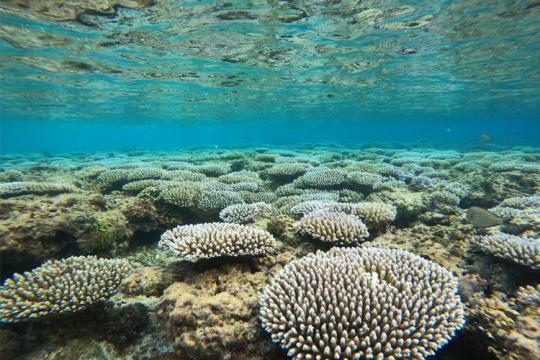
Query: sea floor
176	304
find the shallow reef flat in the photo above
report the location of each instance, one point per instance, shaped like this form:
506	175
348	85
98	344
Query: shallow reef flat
303	252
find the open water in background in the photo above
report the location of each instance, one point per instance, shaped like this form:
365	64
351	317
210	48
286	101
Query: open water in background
201	73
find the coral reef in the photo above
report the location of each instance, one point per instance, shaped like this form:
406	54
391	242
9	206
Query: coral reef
521	250
118	204
333	226
509	327
194	242
61	286
353	303
31	187
243	213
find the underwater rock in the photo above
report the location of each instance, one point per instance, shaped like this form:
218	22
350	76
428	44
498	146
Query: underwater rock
124	328
409	205
508	327
34	229
445	245
9	344
282	227
213	315
415	201
147	281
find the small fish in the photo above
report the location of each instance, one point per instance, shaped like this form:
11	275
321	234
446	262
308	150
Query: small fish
481	218
485	138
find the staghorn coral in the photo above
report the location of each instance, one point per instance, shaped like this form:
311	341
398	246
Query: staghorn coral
213	315
253	197
333	226
194	242
243	213
528	295
212	169
61	286
521	250
18	188
521	202
186	175
520	213
286	203
354	303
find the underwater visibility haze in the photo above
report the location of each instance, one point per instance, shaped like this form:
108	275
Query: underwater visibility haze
267	179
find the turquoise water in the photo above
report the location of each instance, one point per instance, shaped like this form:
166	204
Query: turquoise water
195	72
270	179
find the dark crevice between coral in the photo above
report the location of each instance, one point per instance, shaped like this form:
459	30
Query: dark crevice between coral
121	326
463	346
16	262
141	239
204	265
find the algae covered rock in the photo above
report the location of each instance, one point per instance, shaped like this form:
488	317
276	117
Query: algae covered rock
147	281
70	224
207	318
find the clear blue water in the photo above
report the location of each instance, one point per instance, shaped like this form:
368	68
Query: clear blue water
187	73
420	118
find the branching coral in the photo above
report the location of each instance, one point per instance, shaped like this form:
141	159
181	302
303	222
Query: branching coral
209	200
182	194
333	226
362	303
243	213
374	214
321	178
32	187
286	171
61	286
114	178
521	250
306	207
193	242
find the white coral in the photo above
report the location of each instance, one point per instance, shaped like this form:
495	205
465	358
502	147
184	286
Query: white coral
61	286
194	242
362	303
333	226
